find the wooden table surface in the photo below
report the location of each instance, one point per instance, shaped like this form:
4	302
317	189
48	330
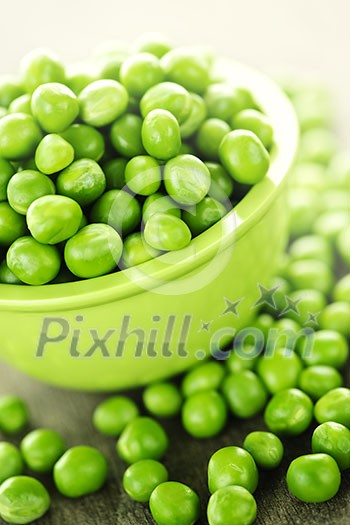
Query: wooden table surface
70	413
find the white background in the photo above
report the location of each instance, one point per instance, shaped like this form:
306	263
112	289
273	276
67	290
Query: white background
307	36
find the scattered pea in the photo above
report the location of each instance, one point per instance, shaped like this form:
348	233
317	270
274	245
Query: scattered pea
142	478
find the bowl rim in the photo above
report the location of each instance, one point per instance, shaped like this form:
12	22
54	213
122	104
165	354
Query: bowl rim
170	266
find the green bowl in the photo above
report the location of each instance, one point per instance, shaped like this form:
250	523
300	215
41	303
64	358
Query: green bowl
158	319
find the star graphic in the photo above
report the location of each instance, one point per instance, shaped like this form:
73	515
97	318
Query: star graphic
292	306
231	307
266	296
312	318
205	326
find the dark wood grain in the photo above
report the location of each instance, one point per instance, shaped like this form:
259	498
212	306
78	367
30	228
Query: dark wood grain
70	413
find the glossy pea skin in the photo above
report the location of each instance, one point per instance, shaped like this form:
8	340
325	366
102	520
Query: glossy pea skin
79	78
114	171
32	262
21	104
80	471
19	136
142	438
161	134
83	181
204	414
23	500
41	449
168	96
313	478
245	394
140	72
289	412
333	439
136	251
336	317
12	224
126	137
266	449
11	462
255	121
119	209
95	250
310	273
232	466
342	289
159	203
206	376
221	186
41	66
102	102
54	106
244	156
165	232
209	137
317	380
173	503
206	213
327	348
162	399
6	172
334	406
221	101
53	218
88	142
195	118
232	505
143	175
112	415
13	414
53	154
188	68
27	186
187	179
141	478
311	247
10	89
280	370
6	276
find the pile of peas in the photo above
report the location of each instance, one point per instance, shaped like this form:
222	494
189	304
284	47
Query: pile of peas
291	387
106	168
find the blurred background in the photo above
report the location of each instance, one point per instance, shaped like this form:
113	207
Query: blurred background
308	37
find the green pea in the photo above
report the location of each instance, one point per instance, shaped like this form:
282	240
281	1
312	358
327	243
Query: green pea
113	414
312	274
41	66
19	136
41	449
53	218
209	137
232	505
287	333
304	208
206	213
289	412
114	171
13	414
142	478
170	97
83	181
255	121
23	500
342	244
126	137
159	203
232	466
239	361
266	449
313	478
174	503
319	379
195	118
223	100
280	370
244	156
136	251
119	209
79	77
142	438
6	172
11	462
53	154
327	348
32	262
338	172
162	399
140	72
334	406
54	106
245	394
187	179
333	439
6	276
342	289
161	134
27	186
311	247
88	142
264	323
155	43
221	186
143	175
187	68
21	104
335	200
305	302
313	107
206	376
309	175
80	471
12	224
317	145
95	250
331	224
10	89
204	414
166	232
336	317
3	112
102	102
